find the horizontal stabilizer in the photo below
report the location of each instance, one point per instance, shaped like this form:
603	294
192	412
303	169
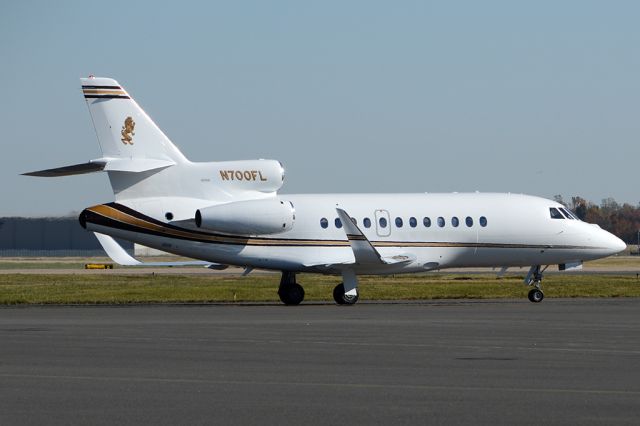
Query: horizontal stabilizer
133	165
121	257
76	169
136	165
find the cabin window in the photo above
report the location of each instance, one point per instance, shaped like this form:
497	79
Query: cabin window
383	222
483	221
426	222
324	222
555	213
455	222
169	216
413	222
399	222
441	221
338	223
354	220
367	222
469	221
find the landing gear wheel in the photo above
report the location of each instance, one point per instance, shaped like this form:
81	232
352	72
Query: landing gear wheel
341	298
536	295
291	294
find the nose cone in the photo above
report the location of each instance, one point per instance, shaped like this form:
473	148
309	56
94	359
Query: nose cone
614	244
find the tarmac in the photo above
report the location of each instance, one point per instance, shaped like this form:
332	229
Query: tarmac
563	361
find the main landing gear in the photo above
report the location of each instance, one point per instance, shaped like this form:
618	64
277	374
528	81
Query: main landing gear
346	293
534	278
292	293
342	298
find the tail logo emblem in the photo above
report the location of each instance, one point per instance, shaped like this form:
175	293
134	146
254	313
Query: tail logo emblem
127	131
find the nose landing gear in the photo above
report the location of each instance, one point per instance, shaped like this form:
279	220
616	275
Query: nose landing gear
536	295
534	278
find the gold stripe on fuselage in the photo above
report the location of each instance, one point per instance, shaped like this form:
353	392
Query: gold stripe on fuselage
115	214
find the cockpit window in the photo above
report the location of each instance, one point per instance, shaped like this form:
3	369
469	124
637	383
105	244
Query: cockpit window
555	213
568	213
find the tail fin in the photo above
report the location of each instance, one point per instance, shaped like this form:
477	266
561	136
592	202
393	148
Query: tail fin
145	167
124	130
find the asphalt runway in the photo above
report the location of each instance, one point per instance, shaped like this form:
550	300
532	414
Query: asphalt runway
443	362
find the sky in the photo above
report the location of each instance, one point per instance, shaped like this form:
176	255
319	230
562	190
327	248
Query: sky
537	97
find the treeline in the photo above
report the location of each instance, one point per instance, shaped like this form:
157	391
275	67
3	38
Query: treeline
621	220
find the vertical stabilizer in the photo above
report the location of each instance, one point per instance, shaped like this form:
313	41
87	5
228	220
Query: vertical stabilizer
124	130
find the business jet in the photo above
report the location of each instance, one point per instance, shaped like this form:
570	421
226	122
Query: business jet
230	213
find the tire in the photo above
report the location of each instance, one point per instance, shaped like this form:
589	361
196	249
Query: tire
291	294
341	298
536	295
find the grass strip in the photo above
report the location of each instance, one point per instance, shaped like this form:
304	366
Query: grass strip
123	289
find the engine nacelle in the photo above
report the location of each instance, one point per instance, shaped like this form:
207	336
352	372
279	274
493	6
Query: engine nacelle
253	217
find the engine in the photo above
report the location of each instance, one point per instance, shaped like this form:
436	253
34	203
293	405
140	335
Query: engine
253	217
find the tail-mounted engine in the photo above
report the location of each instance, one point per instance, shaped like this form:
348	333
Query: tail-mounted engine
253	217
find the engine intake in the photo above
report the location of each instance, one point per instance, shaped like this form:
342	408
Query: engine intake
253	217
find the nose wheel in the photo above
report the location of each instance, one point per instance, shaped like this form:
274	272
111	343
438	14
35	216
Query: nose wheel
534	278
536	295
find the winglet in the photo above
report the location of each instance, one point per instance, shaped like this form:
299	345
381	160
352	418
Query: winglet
363	250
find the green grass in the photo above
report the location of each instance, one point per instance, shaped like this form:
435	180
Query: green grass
122	289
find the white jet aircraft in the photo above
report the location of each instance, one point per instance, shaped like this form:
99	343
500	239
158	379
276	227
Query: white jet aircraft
230	213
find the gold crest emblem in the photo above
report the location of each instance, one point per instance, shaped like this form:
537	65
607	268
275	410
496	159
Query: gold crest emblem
127	131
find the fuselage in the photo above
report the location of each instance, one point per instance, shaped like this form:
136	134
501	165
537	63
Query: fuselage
437	230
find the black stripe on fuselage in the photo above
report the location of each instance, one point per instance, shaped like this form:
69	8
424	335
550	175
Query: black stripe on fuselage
106	97
102	87
134	213
98	219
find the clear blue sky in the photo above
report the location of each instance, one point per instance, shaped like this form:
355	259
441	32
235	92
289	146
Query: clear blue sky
352	96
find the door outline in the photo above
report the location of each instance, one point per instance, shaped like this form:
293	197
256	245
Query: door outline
382	232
